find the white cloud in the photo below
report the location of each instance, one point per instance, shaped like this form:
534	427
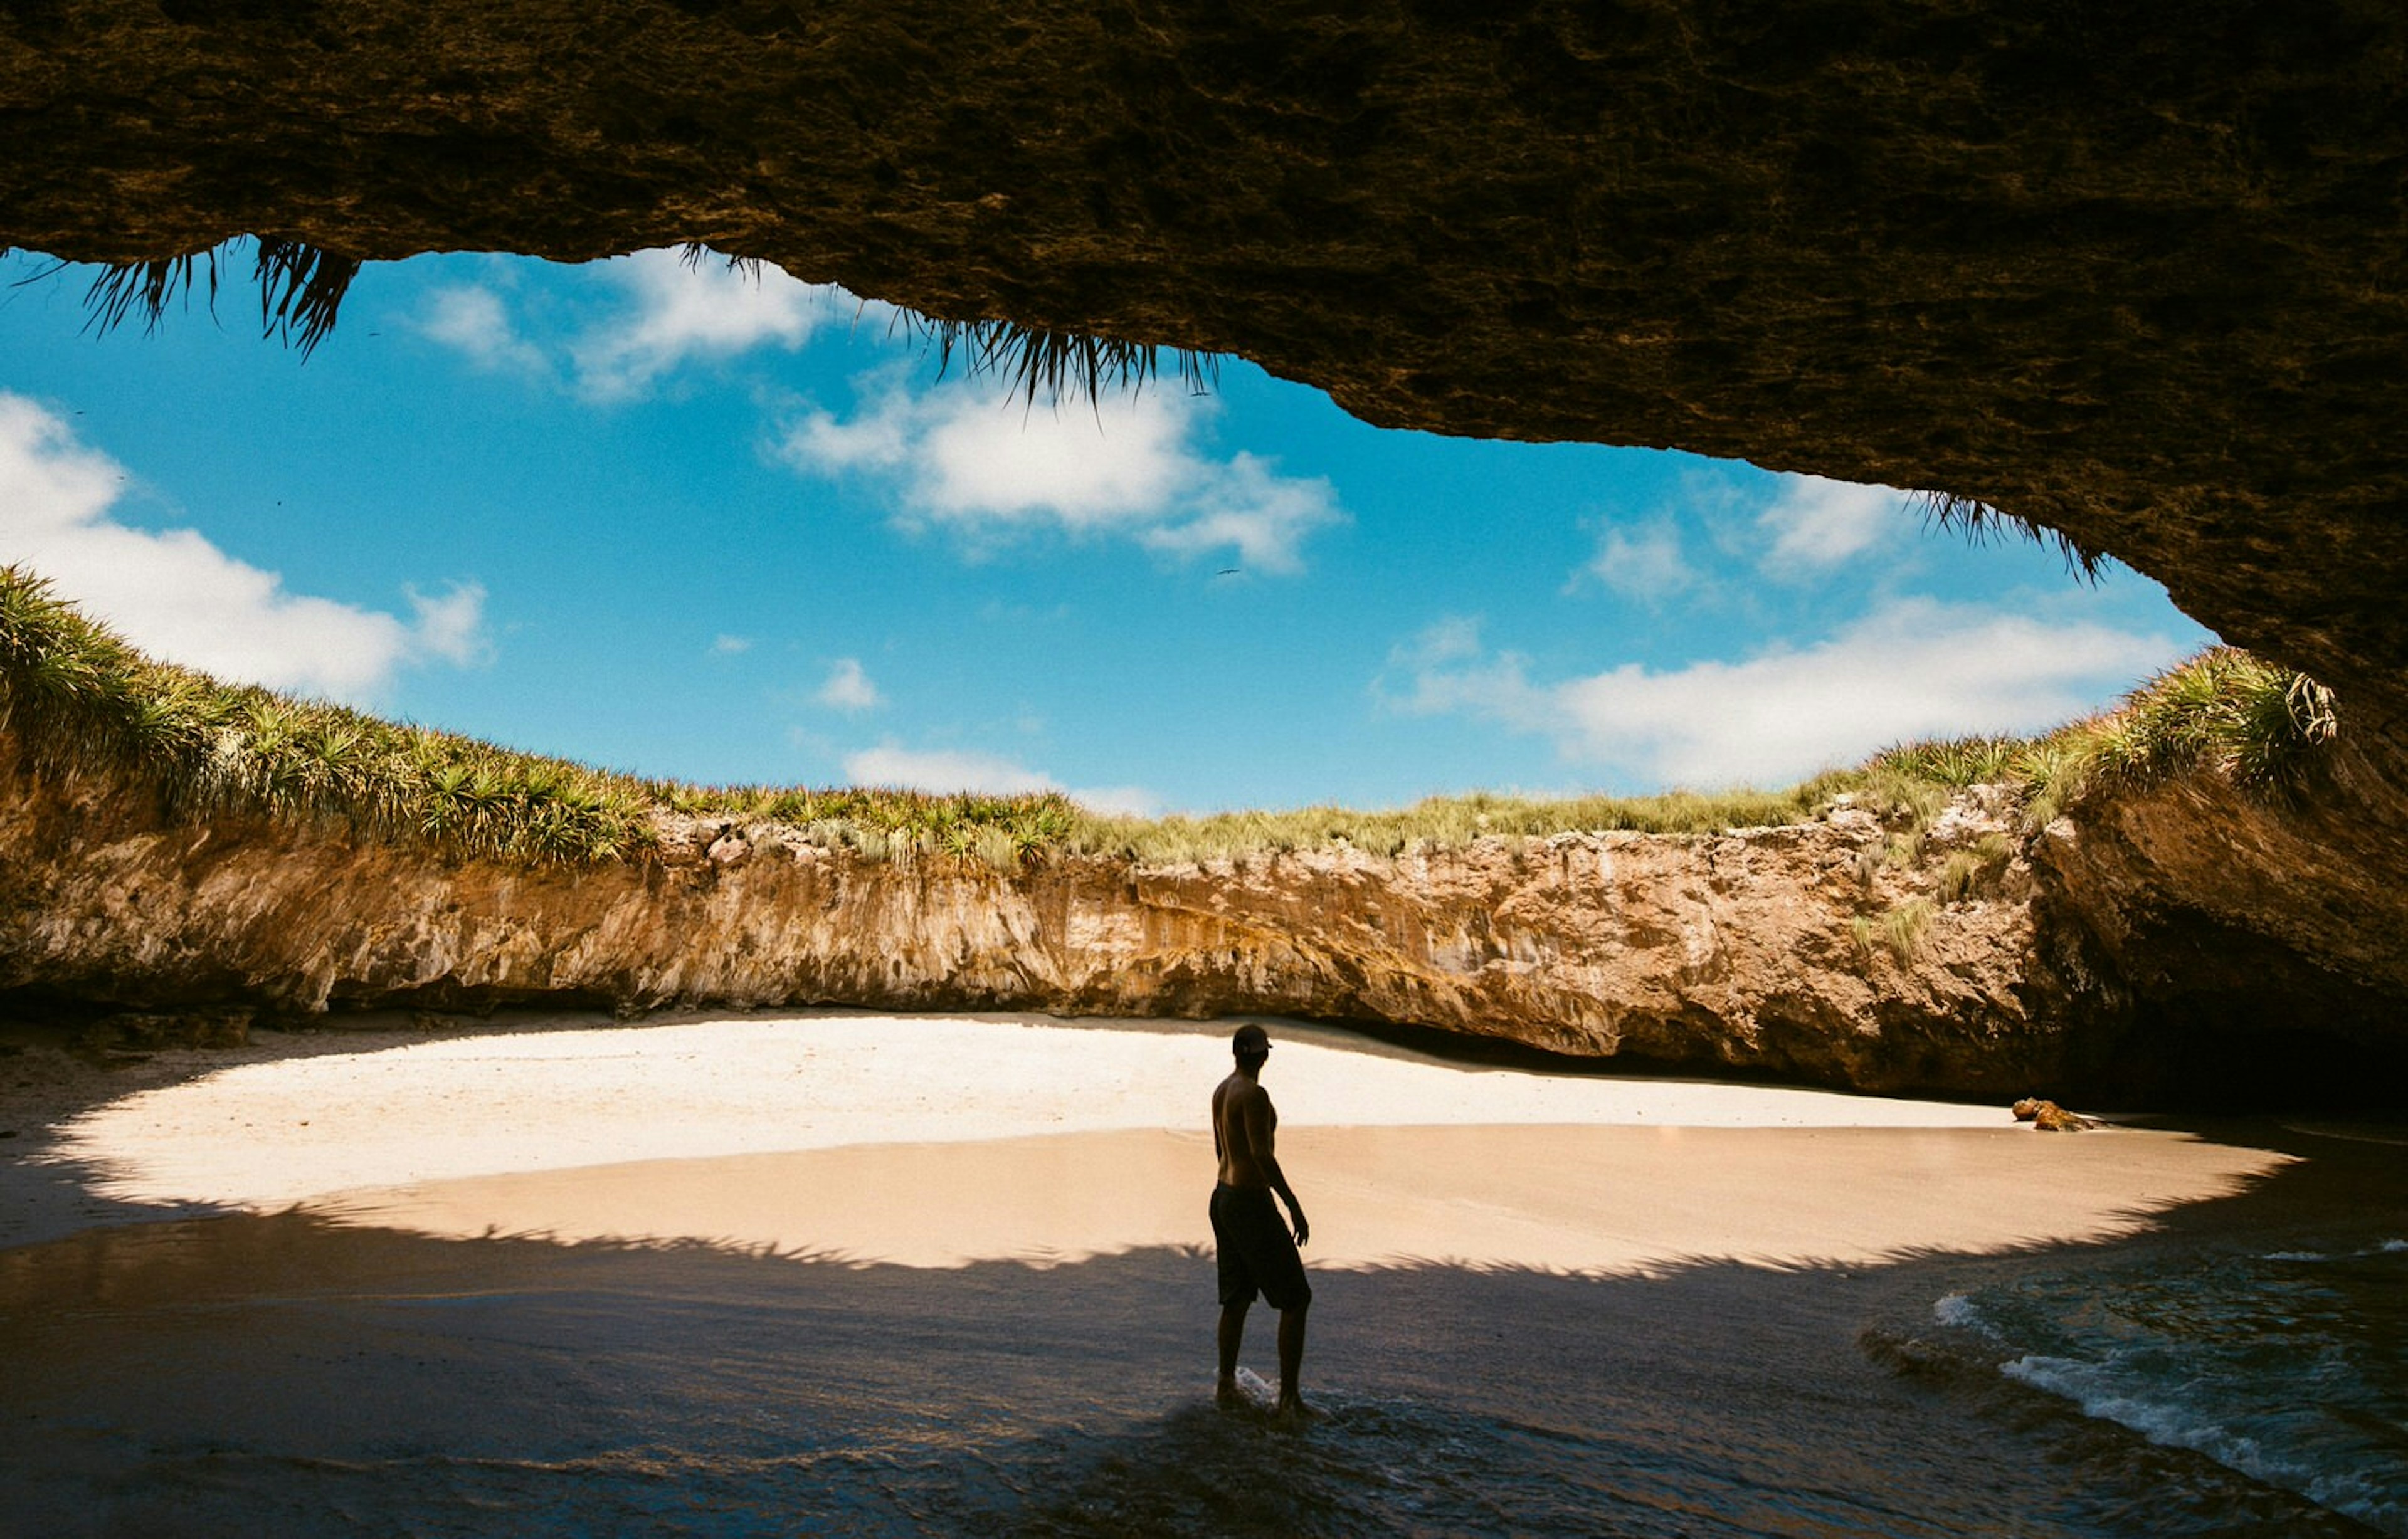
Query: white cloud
1118	801
1819	523
985	468
952	770
177	596
1916	668
849	689
725	645
452	627
1453	639
471	319
660	312
1645	563
675	312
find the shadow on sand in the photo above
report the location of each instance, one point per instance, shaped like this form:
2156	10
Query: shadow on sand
218	1375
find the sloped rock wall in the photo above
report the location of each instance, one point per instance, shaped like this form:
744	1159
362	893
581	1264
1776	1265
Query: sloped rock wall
2182	944
2257	950
1735	953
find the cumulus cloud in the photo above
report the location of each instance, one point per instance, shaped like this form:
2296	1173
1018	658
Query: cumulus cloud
674	310
986	468
1646	563
473	321
952	770
1914	668
179	597
725	645
452	625
1818	523
848	688
659	312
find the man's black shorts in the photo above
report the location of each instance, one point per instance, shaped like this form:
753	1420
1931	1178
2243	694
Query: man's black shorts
1256	1251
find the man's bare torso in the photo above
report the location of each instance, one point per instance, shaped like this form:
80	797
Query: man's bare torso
1236	1103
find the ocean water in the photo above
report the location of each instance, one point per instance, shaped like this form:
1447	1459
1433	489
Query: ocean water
2288	1366
2239	1374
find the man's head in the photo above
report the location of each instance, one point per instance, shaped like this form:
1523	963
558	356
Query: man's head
1252	1044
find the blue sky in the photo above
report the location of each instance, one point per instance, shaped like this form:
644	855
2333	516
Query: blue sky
694	523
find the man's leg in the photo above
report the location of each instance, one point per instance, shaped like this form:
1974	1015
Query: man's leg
1233	1334
1291	1350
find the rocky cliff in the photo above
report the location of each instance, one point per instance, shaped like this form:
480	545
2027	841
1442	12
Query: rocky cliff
2134	273
1807	952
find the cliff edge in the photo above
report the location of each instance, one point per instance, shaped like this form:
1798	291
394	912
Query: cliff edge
2178	945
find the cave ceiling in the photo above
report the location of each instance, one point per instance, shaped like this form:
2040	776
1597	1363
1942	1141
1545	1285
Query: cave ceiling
2134	274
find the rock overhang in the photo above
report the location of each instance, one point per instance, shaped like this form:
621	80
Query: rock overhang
2135	277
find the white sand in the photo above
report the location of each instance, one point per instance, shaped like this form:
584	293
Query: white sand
936	1142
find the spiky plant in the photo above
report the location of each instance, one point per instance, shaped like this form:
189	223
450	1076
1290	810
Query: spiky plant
1954	761
301	287
2255	724
1981	522
1966	871
1059	364
1898	930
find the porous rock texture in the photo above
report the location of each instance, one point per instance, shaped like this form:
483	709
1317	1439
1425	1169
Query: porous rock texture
2074	964
2134	271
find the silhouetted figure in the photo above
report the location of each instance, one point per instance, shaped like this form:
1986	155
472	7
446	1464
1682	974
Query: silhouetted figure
1254	1250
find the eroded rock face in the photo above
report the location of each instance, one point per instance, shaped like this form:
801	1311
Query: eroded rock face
2242	934
2132	273
1731	953
2183	945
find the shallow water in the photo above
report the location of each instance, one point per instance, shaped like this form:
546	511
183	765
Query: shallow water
286	1375
2290	1365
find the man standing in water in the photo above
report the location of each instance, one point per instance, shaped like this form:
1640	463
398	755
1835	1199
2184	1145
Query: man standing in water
1254	1250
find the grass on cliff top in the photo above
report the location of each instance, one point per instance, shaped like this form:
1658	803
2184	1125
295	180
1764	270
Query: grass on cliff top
77	697
2225	713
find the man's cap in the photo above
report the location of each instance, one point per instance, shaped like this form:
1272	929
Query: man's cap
1251	1039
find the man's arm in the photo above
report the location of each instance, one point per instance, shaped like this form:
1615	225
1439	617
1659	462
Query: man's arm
1262	1123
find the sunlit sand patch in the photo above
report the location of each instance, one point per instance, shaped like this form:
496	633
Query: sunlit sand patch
934	1142
1563	1199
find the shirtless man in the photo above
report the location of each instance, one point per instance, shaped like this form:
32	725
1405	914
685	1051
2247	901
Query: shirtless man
1254	1252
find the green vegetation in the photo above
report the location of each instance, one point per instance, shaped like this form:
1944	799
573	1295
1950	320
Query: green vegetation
1965	871
889	824
1447	821
79	698
301	289
1980	522
1900	930
2247	721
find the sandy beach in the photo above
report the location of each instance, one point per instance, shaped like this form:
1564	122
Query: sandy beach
832	1272
940	1142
